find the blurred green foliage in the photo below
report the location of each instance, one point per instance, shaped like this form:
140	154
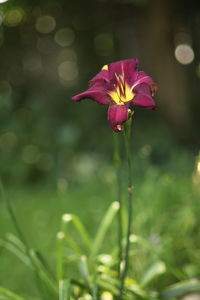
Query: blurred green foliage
56	155
165	239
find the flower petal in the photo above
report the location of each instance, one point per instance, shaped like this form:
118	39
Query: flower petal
102	75
117	115
97	89
143	96
142	77
94	93
127	68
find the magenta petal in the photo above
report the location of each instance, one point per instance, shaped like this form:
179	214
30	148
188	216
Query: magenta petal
117	115
95	94
142	88
103	75
126	67
144	101
142	77
143	96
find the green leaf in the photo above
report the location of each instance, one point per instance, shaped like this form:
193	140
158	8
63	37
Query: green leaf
134	287
16	241
154	271
72	219
60	256
82	231
43	272
9	295
17	252
181	288
105	224
64	289
84	270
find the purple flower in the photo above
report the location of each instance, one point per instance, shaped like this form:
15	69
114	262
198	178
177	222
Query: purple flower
120	85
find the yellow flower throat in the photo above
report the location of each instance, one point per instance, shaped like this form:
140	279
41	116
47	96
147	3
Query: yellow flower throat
121	92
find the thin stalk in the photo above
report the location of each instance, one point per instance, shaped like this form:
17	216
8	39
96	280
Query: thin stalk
127	134
117	162
13	217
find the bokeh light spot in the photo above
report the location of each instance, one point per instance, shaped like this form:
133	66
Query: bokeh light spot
14	17
3	1
104	44
106	296
145	151
45	24
68	70
184	54
64	37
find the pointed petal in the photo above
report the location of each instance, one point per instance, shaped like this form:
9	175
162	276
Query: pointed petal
142	77
102	75
144	101
127	67
96	94
117	115
143	96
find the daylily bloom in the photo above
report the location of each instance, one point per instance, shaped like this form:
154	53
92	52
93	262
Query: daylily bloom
120	86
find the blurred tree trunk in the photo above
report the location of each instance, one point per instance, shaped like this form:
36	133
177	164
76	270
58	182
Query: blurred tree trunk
156	43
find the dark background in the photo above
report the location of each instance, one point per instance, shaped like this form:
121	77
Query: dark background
50	49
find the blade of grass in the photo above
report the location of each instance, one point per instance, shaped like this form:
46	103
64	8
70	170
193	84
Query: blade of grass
28	262
42	272
82	231
12	214
60	256
66	220
41	277
181	288
84	270
16	241
104	226
17	252
64	289
10	295
69	218
153	272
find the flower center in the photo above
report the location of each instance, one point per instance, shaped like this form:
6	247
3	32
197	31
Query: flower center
121	92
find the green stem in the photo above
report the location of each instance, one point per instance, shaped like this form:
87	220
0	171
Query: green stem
127	133
117	161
